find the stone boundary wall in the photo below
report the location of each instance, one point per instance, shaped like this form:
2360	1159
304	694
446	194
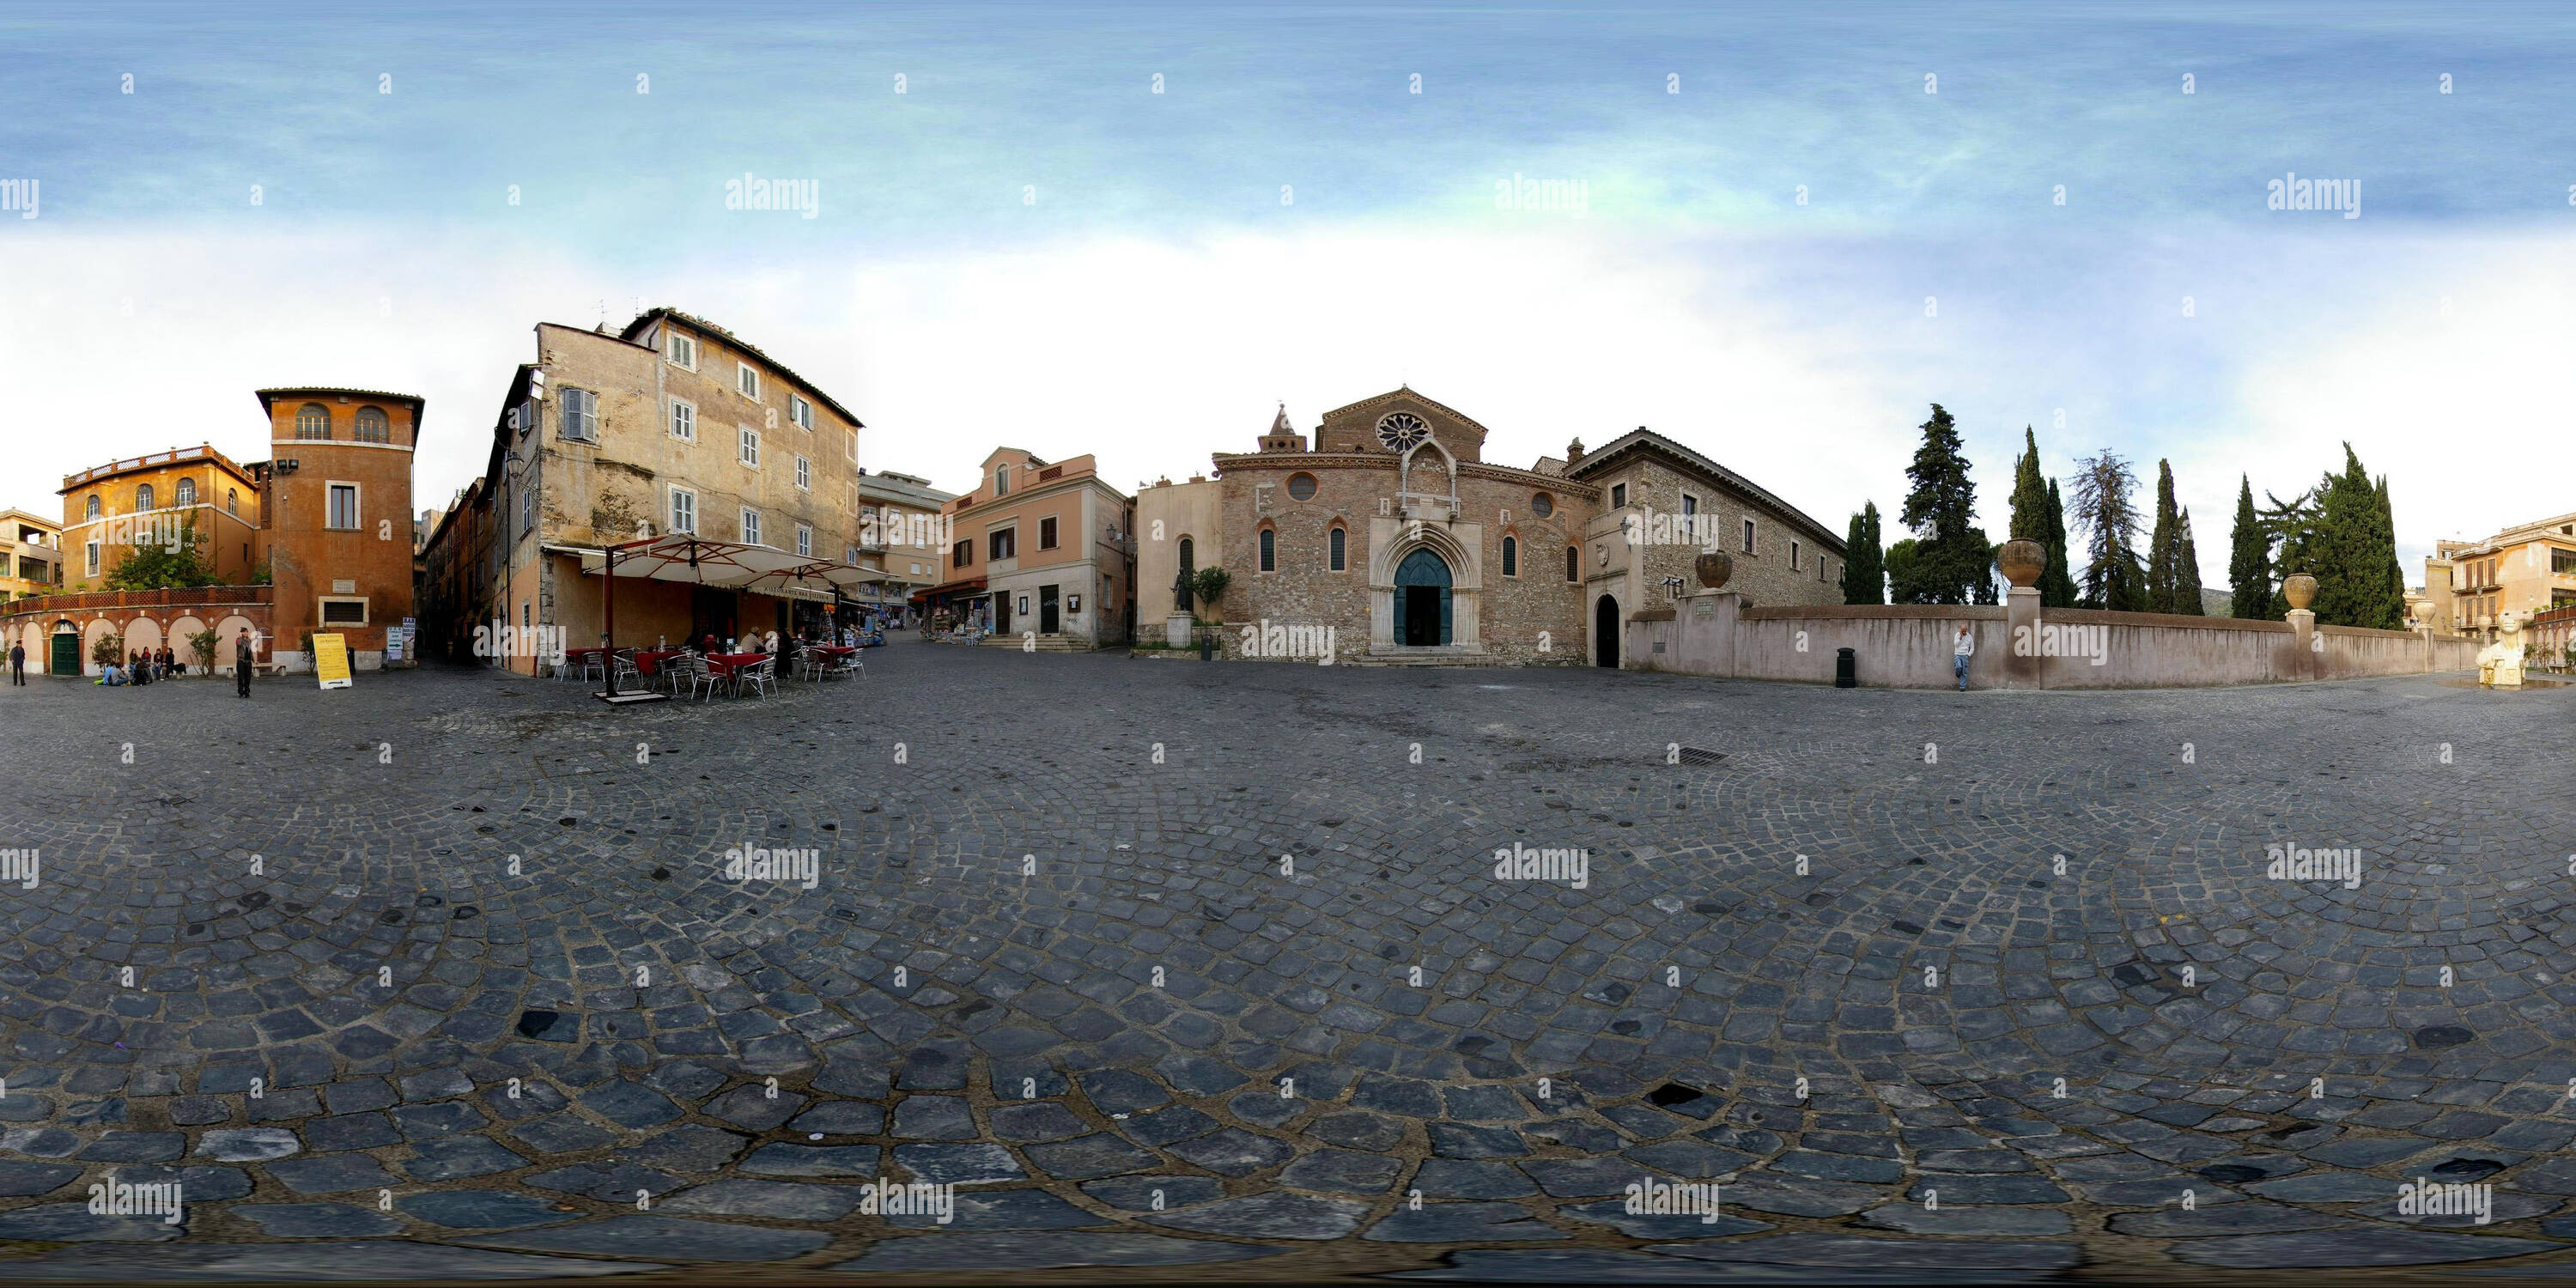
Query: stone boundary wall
1909	646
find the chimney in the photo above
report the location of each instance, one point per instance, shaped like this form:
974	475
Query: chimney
1574	451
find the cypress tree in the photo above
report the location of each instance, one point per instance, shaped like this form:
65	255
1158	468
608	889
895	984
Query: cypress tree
1951	557
2351	565
2249	564
1864	563
2057	585
2029	494
2186	592
2392	609
2163	545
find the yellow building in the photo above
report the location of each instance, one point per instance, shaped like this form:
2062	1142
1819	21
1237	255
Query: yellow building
31	555
2527	569
145	500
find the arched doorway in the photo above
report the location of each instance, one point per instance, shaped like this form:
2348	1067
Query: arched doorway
1422	599
1605	632
66	659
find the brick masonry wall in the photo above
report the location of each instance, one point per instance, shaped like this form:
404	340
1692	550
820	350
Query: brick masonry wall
1764	576
1514	610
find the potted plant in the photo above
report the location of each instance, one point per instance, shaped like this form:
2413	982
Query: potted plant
108	651
202	644
1207	586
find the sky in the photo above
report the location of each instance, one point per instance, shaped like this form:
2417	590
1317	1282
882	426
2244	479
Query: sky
1776	233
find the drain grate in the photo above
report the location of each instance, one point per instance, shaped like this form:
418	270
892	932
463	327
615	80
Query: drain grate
1701	756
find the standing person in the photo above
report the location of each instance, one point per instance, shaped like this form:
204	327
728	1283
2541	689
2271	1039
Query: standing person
18	666
241	664
1960	652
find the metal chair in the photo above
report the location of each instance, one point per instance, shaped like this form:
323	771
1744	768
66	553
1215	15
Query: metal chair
677	670
703	675
762	676
622	663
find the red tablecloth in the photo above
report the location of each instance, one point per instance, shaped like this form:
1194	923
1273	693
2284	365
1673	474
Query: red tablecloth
650	660
731	661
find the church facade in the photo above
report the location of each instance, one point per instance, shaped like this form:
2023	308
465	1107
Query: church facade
1388	538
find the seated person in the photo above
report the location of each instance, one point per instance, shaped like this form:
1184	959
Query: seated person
113	675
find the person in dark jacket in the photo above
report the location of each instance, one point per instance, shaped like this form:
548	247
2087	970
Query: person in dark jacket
18	665
241	664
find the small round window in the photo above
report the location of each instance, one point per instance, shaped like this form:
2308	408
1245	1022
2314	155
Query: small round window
1302	486
1542	505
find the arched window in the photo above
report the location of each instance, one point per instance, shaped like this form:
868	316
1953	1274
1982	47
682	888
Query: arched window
232	501
1573	563
372	427
1269	550
187	492
1338	538
1189	569
93	505
1511	556
313	421
143	498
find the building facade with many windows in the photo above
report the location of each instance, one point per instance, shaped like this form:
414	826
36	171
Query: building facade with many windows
2526	569
1041	552
1394	534
31	556
671	425
112	510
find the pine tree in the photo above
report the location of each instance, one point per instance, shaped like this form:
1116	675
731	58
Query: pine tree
2113	578
2249	564
1864	563
1951	556
2057	585
2163	545
2186	592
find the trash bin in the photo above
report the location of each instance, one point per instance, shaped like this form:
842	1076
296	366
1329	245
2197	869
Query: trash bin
1846	669
1207	648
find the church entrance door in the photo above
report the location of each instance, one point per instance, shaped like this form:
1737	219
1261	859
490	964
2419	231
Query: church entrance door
1422	596
1605	632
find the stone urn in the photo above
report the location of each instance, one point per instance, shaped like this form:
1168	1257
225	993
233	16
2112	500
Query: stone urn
2299	589
1713	568
2022	560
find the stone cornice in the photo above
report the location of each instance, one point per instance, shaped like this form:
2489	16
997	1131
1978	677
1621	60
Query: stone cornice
1389	461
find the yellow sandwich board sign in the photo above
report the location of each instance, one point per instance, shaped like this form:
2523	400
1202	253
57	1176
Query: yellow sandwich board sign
331	660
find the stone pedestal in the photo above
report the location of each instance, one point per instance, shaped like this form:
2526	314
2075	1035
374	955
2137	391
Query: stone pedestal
1704	634
2303	660
1176	630
2023	666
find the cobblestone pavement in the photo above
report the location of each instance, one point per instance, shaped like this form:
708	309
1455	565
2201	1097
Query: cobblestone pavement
1829	959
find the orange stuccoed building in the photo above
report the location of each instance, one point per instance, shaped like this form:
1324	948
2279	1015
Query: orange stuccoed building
335	503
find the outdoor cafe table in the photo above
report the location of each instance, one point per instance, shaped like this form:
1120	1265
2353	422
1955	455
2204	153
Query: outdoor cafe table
649	661
731	662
